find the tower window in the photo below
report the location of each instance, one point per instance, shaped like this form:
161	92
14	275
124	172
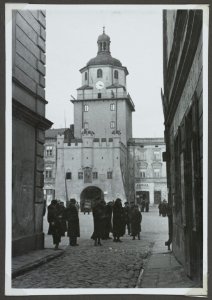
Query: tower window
85	107
68	175
99	73
80	175
95	175
99	95
112	106
86	75
116	74
112	124
104	46
109	175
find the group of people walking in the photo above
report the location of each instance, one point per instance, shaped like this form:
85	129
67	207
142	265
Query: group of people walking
108	218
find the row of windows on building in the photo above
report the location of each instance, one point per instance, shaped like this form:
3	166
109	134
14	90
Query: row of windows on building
112	125
48	174
100	74
94	175
112	107
143	155
156	173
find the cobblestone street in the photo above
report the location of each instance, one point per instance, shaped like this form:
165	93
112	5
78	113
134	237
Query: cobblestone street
112	265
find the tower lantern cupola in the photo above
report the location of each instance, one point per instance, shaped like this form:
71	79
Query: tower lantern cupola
103	43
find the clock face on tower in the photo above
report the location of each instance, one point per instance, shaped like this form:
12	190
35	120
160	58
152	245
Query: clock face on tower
99	85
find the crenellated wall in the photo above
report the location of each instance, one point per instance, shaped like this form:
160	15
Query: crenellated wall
101	155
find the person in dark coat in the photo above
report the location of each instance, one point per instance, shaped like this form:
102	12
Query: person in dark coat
118	221
164	208
143	204
160	207
62	216
108	216
99	220
127	216
54	223
73	223
136	219
147	205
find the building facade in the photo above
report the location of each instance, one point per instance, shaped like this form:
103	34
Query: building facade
94	164
183	112
50	157
147	169
28	128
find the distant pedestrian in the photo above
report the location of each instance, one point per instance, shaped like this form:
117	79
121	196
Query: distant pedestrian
147	205
99	219
73	223
164	208
136	219
62	217
118	221
127	217
160	208
54	223
143	204
77	206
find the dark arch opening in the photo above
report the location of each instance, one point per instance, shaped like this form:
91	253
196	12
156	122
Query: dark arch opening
89	196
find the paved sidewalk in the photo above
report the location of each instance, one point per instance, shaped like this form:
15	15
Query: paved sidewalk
162	270
29	261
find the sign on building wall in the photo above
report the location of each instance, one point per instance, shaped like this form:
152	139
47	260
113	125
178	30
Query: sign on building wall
141	186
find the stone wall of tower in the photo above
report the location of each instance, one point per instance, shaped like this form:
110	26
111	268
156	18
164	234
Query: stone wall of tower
102	155
99	117
108	76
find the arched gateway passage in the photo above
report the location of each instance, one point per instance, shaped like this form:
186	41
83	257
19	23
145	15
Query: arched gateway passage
89	196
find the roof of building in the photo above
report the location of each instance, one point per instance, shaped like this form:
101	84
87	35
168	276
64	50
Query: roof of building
103	37
146	141
104	58
52	133
85	87
116	85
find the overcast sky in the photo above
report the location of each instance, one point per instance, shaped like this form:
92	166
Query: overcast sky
136	40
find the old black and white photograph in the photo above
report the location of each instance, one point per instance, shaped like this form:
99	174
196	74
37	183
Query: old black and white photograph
106	149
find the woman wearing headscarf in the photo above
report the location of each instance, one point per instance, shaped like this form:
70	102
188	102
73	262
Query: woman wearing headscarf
118	221
99	219
73	222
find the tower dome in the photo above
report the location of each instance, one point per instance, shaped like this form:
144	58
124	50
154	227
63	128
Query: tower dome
103	37
103	55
